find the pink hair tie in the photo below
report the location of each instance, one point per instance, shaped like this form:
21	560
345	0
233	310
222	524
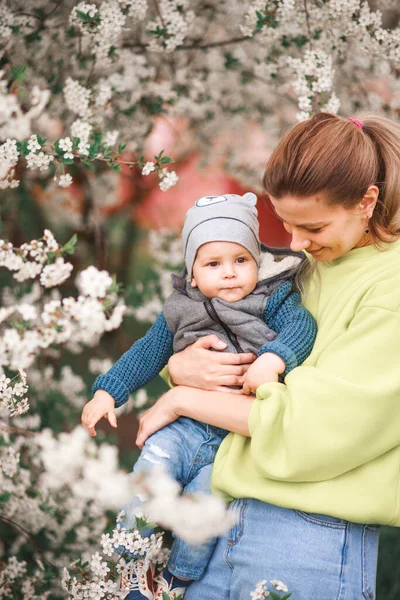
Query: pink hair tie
357	122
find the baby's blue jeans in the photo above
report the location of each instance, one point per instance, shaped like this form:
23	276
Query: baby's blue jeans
316	556
186	450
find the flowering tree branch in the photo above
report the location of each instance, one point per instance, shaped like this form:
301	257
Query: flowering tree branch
29	536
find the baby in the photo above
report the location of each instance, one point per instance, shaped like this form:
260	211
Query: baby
245	294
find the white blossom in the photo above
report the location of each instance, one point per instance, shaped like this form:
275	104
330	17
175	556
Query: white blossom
110	138
169	179
260	590
33	143
148	168
279	585
66	145
77	98
56	273
65	180
195	517
94	283
81	129
39	161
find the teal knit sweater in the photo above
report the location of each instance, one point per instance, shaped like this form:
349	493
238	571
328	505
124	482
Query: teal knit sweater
295	327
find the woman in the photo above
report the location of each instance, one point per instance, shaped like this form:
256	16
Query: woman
313	465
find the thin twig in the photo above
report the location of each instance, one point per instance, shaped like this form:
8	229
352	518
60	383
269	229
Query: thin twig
89	77
308	21
18	430
158	10
25	532
198	45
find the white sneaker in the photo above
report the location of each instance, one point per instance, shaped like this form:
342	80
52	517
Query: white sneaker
139	581
163	587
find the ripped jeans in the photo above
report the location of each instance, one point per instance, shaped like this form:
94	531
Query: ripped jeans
186	449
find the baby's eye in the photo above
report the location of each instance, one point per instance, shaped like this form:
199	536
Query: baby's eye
241	259
213	263
315	230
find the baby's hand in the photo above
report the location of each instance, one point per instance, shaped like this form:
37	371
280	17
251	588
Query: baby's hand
265	368
102	405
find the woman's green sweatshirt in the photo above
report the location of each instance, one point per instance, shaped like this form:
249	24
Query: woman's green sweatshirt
328	440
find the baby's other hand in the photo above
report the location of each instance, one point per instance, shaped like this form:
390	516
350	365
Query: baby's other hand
102	405
265	368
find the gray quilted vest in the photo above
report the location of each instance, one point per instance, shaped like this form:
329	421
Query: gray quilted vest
190	315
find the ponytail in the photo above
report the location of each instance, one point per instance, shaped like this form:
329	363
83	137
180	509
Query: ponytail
335	156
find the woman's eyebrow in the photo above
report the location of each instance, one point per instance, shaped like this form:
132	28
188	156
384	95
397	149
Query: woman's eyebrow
317	224
307	225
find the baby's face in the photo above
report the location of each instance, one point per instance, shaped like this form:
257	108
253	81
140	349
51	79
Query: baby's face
224	270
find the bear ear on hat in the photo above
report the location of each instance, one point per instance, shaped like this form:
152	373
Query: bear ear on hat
250	198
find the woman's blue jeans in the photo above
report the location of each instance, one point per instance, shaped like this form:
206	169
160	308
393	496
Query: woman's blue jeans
316	556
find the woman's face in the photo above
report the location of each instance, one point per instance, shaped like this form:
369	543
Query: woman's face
326	231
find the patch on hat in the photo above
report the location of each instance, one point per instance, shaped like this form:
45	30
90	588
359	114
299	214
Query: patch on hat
207	200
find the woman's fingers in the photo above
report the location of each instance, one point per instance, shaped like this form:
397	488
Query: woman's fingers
232	370
230	358
209	341
160	414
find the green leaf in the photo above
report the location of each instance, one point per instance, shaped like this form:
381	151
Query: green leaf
88	165
165	160
5	496
157	158
69	247
58	149
160	31
165	596
115	167
68	161
18	72
22	148
116	288
231	62
86	18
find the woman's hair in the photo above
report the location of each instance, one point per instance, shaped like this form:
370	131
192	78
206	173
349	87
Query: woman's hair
333	155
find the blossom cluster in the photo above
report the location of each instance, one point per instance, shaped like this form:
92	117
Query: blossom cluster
195	518
217	67
12	395
58	514
35	322
88	142
261	590
57	488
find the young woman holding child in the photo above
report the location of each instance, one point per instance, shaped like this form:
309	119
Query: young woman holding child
312	465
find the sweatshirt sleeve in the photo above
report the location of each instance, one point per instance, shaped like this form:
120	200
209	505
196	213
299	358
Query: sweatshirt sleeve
141	363
295	326
338	415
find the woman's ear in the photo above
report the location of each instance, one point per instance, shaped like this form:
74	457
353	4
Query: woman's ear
368	203
193	282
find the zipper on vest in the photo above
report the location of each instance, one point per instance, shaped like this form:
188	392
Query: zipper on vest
212	313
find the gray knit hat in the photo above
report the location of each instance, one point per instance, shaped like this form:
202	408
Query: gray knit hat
228	218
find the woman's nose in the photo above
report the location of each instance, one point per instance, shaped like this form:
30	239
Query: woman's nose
299	242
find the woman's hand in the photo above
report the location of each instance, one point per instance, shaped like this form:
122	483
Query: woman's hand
160	414
102	405
199	367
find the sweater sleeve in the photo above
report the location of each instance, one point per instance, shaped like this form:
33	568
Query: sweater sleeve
141	363
295	326
337	415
